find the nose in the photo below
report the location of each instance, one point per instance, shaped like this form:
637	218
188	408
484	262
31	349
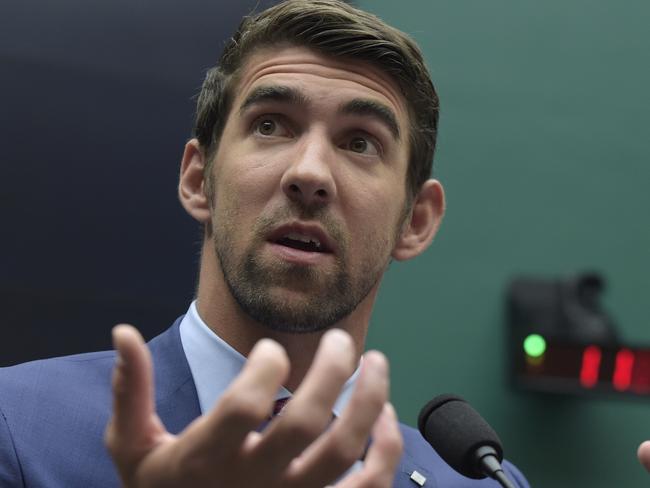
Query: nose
308	178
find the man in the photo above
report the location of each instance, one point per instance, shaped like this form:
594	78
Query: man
309	172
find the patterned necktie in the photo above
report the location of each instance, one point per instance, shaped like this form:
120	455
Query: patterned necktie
278	406
277	410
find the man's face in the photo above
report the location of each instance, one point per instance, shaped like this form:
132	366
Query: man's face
309	187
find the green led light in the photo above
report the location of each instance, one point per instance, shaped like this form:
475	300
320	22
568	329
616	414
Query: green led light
534	345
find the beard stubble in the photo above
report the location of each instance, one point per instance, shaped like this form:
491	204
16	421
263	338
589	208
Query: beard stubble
286	297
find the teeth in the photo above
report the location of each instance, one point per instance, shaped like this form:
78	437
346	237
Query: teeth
299	237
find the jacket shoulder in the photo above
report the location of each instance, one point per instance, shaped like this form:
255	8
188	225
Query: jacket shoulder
54	376
53	414
61	402
419	454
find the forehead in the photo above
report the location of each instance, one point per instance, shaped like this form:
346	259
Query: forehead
318	72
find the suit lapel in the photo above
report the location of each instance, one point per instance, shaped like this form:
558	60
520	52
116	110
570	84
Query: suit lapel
177	402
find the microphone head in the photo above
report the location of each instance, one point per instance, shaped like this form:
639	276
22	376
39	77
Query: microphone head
455	430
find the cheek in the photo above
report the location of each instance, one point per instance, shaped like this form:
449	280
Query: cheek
380	199
245	184
374	218
365	203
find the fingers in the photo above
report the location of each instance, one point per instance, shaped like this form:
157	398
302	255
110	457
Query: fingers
345	442
244	406
643	453
132	381
134	428
383	456
309	412
222	446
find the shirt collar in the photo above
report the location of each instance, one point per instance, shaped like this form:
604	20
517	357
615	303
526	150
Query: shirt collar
215	364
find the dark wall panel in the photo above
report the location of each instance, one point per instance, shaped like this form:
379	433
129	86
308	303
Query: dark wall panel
97	103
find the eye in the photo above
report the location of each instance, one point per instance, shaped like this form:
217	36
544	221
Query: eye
270	127
363	145
266	127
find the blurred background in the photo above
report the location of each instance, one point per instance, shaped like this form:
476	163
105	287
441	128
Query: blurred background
543	151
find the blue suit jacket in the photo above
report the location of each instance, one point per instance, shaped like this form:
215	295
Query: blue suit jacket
53	414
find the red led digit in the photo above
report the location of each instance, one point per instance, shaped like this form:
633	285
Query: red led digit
641	372
590	366
623	367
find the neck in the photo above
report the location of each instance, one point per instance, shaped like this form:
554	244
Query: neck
219	310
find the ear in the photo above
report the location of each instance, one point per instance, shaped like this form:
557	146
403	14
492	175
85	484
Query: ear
422	223
191	183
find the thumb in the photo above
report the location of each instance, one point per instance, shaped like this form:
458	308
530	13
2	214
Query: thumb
134	428
643	453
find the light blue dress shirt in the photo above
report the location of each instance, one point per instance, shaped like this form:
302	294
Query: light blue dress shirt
215	364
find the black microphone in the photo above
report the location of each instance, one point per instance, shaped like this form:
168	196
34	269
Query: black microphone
462	438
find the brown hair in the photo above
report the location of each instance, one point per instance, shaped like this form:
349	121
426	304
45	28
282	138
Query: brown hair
334	28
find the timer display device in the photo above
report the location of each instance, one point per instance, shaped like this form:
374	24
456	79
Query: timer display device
562	341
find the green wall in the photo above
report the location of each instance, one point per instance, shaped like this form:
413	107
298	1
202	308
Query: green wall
544	152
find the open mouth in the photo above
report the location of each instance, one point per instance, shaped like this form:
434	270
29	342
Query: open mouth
306	238
303	243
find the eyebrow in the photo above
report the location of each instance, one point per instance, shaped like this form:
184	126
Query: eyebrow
274	93
364	107
293	96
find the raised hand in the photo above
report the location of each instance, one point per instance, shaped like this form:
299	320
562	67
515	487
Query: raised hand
300	448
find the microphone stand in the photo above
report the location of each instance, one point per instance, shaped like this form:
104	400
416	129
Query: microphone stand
487	459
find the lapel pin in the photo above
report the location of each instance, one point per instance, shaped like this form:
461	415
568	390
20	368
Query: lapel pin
418	478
